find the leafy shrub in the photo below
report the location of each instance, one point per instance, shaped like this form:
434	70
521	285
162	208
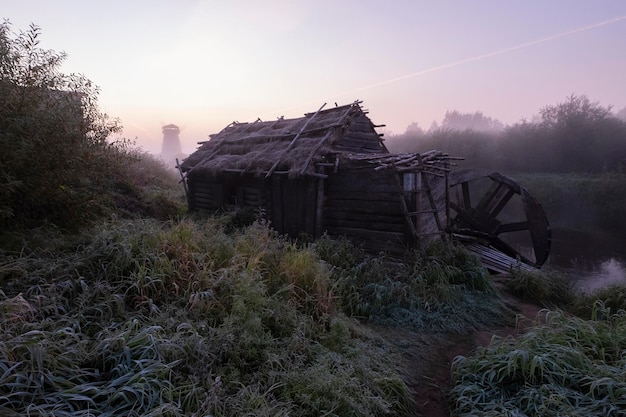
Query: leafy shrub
58	165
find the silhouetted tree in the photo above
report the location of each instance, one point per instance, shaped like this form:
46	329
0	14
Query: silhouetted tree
456	120
574	112
414	129
576	135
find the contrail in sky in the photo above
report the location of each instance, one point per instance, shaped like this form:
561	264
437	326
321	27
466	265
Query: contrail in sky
488	55
477	58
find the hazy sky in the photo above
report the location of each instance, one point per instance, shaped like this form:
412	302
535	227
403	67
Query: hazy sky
203	64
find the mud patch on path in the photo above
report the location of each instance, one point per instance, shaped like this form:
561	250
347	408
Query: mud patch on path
427	357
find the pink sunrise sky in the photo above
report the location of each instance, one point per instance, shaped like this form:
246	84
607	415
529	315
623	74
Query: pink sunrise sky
204	64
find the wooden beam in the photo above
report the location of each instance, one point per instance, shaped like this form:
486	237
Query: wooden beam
404	208
319	208
269	173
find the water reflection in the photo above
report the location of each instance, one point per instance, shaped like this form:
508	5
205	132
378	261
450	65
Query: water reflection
590	261
604	274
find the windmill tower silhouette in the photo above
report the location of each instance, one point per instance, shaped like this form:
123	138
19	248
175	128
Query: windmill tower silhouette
170	148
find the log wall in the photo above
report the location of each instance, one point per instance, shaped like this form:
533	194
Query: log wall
235	191
294	208
205	193
364	205
360	137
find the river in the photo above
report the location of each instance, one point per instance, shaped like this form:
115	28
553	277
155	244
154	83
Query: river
591	261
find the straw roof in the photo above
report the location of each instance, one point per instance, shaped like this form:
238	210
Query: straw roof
294	146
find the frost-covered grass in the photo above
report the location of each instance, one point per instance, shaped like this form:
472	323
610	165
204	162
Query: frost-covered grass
181	318
442	289
567	366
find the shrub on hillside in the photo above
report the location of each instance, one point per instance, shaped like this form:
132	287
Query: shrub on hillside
58	165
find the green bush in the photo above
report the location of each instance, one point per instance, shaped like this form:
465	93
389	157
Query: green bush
58	166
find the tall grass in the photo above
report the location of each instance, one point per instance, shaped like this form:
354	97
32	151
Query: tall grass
546	287
182	318
567	366
443	288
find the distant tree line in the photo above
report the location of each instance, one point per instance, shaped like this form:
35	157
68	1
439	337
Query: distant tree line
577	135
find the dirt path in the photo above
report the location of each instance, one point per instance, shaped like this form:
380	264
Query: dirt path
428	357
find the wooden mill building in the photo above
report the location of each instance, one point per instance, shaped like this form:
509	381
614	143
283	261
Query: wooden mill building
326	172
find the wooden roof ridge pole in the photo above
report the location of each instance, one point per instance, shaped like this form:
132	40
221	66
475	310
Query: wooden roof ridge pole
326	136
269	173
319	144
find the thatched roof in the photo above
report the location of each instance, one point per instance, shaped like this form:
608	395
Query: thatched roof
294	146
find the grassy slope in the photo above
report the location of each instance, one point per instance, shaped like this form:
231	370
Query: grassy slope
181	318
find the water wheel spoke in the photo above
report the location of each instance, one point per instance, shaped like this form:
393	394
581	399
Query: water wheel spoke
502	203
467	202
512	227
483	204
467	217
482	221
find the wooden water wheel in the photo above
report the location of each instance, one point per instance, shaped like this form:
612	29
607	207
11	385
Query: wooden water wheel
495	211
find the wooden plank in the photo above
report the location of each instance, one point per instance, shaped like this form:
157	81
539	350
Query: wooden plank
467	202
342	213
363	187
277	204
362	125
368	234
365	136
512	227
502	203
404	209
431	200
340	189
183	178
359	223
203	204
314	151
364	177
319	208
358	144
358	206
364	195
310	206
203	198
496	260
